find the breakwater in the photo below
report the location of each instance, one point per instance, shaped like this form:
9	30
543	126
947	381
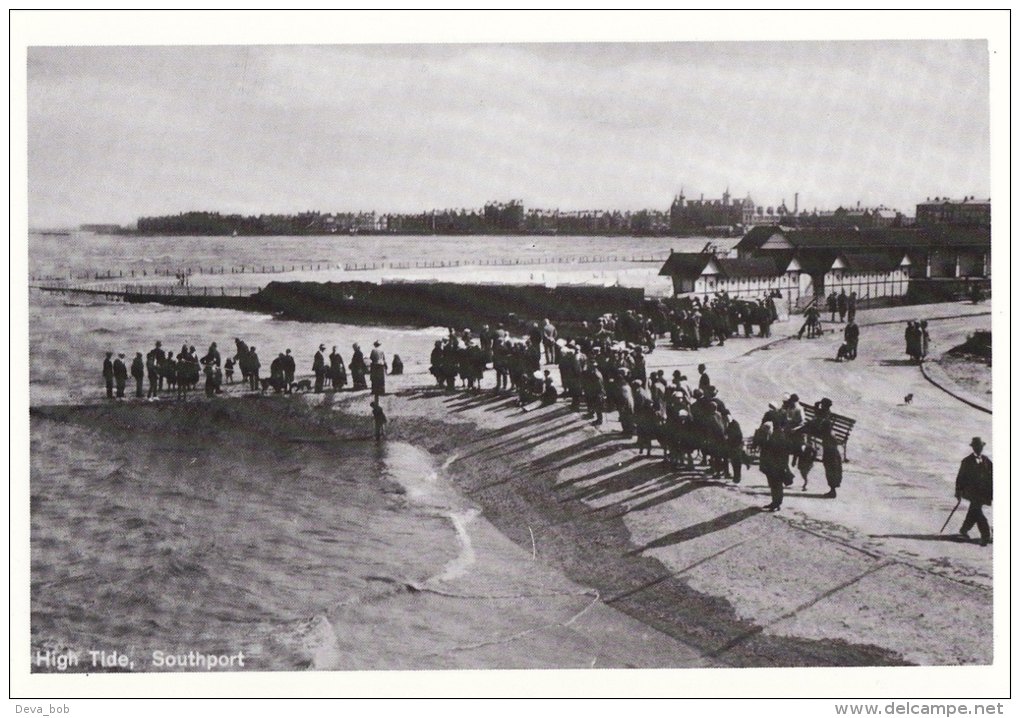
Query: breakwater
440	303
399	303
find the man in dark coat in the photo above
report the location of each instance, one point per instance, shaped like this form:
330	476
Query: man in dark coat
703	381
253	369
319	368
108	374
160	358
138	373
152	369
974	483
830	305
120	374
289	367
841	304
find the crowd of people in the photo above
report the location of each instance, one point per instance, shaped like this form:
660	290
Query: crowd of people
602	369
180	374
695	324
601	372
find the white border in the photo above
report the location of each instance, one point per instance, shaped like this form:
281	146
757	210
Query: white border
204	28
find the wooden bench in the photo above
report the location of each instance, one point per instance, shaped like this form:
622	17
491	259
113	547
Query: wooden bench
841	428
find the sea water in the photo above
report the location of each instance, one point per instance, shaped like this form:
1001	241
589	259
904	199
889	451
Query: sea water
342	555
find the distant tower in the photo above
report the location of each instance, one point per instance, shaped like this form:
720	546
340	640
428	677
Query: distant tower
796	201
726	197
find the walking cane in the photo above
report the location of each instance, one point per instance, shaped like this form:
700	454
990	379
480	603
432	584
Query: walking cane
950	515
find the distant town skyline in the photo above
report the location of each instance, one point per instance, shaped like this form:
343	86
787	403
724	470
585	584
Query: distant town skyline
115	133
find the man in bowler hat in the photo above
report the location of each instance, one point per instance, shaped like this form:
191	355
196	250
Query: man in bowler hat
974	483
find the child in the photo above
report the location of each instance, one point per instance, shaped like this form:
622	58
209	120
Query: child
806	459
229	367
379	417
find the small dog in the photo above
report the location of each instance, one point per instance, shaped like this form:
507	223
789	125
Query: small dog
266	383
908	398
843	353
303	385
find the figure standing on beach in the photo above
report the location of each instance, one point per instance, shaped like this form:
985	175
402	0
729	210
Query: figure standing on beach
108	374
138	374
319	368
289	367
120	374
379	419
253	369
161	358
152	369
974	483
337	372
378	367
358	369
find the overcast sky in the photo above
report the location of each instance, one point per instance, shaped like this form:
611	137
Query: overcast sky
116	133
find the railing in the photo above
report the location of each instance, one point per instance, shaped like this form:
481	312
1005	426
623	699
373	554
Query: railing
97	275
157	290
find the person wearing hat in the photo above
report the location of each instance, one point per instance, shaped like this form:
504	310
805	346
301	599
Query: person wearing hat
378	369
120	374
831	459
319	368
160	358
138	373
974	483
703	381
108	374
358	368
289	368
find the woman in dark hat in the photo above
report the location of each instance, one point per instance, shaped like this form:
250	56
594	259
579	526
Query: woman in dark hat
831	459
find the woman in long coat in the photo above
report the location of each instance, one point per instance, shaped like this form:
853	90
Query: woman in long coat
378	370
831	459
337	372
358	369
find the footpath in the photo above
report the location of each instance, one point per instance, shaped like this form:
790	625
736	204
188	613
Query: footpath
863	580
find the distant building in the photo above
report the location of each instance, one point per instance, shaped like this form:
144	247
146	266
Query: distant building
696	214
966	212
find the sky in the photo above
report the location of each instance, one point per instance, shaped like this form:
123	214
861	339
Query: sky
115	133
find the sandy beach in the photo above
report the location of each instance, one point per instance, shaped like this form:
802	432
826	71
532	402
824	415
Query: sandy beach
557	547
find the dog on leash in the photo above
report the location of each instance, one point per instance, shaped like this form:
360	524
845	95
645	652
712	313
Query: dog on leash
303	385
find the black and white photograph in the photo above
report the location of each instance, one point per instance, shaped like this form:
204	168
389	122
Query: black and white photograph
444	353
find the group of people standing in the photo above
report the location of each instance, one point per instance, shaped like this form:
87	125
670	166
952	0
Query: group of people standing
842	304
916	338
178	374
693	323
182	373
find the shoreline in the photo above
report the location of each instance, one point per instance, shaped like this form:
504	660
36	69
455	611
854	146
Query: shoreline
687	571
